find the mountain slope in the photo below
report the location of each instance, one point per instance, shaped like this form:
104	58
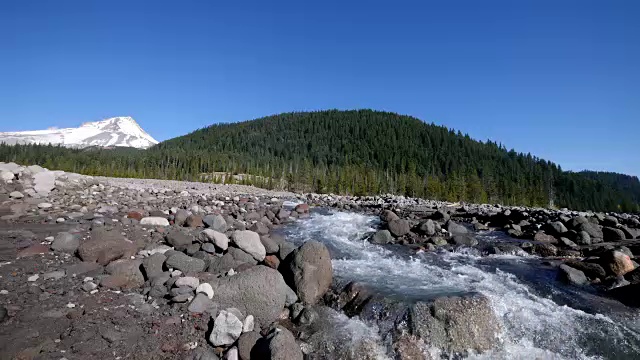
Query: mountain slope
354	152
117	131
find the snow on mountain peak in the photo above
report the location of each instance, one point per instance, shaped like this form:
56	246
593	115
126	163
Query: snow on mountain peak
116	131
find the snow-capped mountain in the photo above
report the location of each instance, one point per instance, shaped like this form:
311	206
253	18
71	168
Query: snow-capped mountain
117	131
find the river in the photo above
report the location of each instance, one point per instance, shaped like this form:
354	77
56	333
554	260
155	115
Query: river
541	317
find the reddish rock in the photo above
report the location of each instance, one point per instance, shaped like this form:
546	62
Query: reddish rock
272	261
105	246
194	221
134	215
33	250
302	208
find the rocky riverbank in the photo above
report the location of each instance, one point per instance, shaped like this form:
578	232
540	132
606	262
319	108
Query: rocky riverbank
128	268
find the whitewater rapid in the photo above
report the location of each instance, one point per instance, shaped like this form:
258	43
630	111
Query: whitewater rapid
541	318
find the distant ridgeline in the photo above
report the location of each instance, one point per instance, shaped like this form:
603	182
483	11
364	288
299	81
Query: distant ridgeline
351	152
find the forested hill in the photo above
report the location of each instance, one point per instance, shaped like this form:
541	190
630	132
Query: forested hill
355	152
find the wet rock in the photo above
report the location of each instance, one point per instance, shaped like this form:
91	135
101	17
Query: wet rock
544	250
249	241
309	271
542	237
464	239
591	270
456	324
226	329
185	263
382	237
568	243
154	221
456	229
388	216
65	242
627	295
616	263
399	227
572	276
260	291
282	345
612	234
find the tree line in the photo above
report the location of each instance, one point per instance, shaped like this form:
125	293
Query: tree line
355	152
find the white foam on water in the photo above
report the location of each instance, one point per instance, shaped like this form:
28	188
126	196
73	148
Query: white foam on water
534	327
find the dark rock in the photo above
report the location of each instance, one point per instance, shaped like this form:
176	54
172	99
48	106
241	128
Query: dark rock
545	250
540	236
185	263
286	248
627	295
612	234
309	271
399	227
105	246
124	274
194	221
592	270
246	343
179	239
282	345
152	265
215	222
572	276
65	242
241	256
269	244
594	231
260	228
180	217
633	276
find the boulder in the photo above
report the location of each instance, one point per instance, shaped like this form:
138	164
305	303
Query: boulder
259	291
399	227
246	343
65	242
200	304
154	221
44	182
124	274
194	221
464	239
309	271
179	239
219	239
611	234
388	216
16	195
270	245
594	231
249	241
215	222
226	329
616	263
544	250
428	227
591	270
456	325
542	237
627	295
556	228
180	217
152	265
185	263
104	246
572	276
456	229
6	175
282	345
382	237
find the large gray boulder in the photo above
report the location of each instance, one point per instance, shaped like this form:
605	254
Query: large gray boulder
382	237
44	182
249	241
259	291
428	227
124	274
612	234
572	276
399	227
309	271
456	325
456	229
104	246
219	239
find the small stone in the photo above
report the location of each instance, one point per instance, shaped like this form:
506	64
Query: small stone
16	195
200	304
89	286
54	275
71	305
248	324
45	205
232	354
154	221
226	329
33	278
206	289
60	220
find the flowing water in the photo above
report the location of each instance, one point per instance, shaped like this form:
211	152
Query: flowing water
541	318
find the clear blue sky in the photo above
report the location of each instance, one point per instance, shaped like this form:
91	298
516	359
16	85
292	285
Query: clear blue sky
559	79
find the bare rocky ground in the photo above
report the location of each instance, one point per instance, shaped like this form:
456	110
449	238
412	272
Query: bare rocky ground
94	267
